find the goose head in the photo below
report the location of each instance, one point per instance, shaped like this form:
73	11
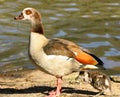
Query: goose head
34	17
30	14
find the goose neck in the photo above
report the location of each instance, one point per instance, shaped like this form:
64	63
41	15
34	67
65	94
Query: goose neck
37	27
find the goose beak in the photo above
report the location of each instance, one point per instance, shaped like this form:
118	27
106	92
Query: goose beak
20	17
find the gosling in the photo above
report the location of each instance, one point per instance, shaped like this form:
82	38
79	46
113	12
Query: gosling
98	80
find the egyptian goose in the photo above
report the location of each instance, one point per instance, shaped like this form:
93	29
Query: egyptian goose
57	57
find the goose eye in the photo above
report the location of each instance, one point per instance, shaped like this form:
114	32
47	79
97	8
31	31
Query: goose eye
28	12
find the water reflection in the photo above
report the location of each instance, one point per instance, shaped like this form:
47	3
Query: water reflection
93	24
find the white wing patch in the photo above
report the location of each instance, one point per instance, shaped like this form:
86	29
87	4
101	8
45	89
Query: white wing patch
58	57
90	67
75	53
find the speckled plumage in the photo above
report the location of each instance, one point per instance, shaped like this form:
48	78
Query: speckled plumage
98	80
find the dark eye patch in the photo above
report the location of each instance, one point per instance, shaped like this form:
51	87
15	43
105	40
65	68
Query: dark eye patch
28	12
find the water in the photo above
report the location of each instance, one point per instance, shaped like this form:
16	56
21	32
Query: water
93	24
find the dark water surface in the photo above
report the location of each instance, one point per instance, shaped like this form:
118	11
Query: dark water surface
93	24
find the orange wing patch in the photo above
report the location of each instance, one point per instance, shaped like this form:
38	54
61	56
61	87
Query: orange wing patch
85	58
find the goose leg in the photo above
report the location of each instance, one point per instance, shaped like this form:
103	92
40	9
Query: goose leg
58	90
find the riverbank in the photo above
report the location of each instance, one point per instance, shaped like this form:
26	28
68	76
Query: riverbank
34	83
